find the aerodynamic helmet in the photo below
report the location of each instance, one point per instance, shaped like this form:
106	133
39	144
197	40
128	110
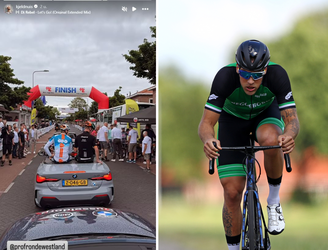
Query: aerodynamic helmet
64	127
252	55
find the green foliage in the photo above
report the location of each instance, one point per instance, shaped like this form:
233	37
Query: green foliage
304	55
45	112
79	103
93	108
117	99
180	110
10	97
82	114
144	59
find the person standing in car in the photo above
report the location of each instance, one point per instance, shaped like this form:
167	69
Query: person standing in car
85	145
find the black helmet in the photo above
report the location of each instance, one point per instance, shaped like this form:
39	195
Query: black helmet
252	55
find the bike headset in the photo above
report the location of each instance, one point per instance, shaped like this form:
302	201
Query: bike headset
253	55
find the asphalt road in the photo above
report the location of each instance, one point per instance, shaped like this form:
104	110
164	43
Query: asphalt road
135	191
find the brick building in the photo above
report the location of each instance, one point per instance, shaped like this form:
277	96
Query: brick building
146	95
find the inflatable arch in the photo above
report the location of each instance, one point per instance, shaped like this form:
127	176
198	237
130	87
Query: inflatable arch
93	93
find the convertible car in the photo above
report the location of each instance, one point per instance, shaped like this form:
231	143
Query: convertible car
73	183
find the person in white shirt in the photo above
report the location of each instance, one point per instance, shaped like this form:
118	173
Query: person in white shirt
146	149
1	124
15	143
33	137
117	143
132	142
102	135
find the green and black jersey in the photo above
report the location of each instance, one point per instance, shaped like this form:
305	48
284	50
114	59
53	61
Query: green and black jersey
227	93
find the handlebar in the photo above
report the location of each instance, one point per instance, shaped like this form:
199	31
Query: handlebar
251	149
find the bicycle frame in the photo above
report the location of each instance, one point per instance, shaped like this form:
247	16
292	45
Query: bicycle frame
251	190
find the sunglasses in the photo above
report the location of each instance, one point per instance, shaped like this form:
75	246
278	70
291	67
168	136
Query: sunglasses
256	75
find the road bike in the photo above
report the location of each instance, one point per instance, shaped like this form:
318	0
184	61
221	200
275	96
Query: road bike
254	234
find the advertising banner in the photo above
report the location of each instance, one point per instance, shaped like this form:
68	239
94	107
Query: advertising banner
33	116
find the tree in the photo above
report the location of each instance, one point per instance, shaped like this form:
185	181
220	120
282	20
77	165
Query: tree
10	97
82	115
45	112
303	53
55	111
117	99
93	108
79	103
181	149
144	59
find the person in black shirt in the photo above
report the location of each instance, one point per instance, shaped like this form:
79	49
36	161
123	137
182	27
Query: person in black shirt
7	134
21	137
85	145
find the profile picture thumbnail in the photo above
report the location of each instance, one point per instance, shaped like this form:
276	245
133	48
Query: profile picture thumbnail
8	9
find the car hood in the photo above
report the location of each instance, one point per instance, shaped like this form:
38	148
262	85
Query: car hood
78	221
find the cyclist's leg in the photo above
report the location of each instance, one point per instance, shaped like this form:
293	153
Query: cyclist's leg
268	129
232	217
232	131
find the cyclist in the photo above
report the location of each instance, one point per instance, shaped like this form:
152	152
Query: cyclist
85	145
62	145
251	95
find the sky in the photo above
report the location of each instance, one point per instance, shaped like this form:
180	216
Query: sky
78	50
200	37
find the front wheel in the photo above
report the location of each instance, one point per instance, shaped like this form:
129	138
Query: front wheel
251	227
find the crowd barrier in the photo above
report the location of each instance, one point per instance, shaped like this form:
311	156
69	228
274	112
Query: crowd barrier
45	130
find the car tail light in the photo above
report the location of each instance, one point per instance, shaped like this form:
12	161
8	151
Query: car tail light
40	179
107	177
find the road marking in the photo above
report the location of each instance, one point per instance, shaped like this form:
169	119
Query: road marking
35	155
21	172
29	162
11	184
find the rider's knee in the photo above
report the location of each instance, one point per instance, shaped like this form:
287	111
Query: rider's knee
232	196
268	140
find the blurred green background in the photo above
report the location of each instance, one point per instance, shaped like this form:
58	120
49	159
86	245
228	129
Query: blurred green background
194	222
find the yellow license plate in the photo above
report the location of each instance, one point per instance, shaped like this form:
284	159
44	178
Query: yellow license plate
68	183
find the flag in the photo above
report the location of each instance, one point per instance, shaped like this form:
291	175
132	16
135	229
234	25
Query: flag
33	116
43	99
132	106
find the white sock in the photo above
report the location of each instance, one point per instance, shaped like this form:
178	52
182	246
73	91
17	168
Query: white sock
273	197
233	246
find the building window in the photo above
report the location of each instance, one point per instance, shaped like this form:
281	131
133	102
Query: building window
150	100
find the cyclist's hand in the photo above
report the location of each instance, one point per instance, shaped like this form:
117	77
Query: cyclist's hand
99	161
209	149
287	143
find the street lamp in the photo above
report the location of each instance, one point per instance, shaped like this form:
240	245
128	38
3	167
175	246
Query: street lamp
45	70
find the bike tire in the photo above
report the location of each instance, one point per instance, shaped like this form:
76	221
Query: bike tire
251	221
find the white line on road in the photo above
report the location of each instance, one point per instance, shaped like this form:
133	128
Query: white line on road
21	172
11	184
29	162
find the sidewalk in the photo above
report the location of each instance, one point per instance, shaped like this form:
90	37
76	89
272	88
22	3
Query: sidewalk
9	173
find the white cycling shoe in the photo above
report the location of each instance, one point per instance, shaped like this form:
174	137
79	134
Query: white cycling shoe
276	222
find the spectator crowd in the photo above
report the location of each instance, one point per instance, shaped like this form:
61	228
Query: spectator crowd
16	141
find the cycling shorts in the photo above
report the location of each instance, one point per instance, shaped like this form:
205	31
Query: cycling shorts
234	132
